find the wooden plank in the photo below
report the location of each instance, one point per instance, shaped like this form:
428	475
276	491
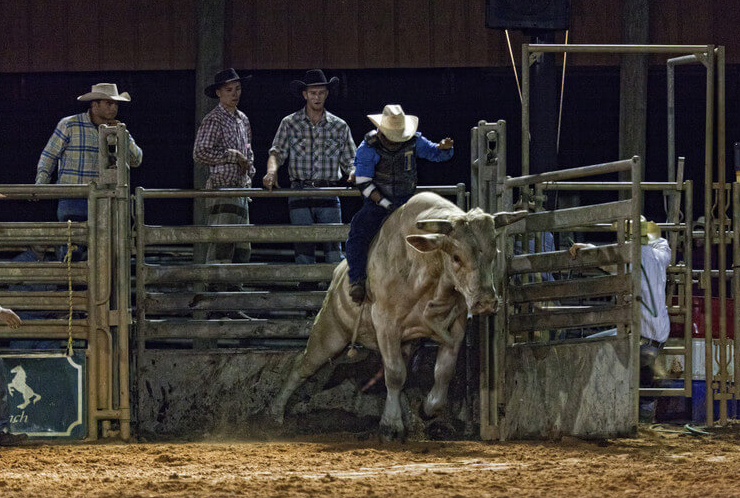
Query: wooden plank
306	34
245	233
261	29
238	273
226	329
561	289
562	260
341	44
585	29
449	40
84	46
593	317
117	34
159	302
48	21
378	39
578	216
183	42
414	37
15	26
156	35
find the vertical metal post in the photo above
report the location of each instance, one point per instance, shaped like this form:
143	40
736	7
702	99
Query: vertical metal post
671	99
688	287
636	289
123	287
525	109
736	282
498	187
708	229
723	380
93	317
140	284
475	161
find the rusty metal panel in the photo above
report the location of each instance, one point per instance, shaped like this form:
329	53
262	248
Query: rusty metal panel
11	272
577	216
227	329
579	388
159	302
43	233
561	289
43	300
562	260
238	273
590	317
329	232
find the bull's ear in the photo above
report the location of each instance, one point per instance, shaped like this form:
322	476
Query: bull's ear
435	226
425	243
503	219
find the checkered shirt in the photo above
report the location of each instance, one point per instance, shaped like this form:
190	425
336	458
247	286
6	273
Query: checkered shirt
317	152
73	150
220	138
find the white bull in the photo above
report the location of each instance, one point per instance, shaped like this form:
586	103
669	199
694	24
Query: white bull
429	266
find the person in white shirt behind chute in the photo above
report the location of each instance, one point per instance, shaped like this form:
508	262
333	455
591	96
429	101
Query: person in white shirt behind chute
655	324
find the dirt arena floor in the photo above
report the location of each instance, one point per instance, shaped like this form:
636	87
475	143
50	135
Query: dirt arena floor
654	464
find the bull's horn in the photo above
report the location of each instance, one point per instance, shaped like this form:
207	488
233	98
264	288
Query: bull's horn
503	219
435	226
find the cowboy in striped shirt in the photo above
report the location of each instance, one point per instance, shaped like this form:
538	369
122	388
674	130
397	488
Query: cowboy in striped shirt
224	144
72	150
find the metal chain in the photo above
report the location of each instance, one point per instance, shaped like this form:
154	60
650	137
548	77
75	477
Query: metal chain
68	260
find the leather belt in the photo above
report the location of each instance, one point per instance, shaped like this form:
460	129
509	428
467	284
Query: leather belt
313	183
651	342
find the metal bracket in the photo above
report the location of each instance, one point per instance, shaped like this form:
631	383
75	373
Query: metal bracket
535	57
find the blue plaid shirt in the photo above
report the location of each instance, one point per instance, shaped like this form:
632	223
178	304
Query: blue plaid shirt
73	150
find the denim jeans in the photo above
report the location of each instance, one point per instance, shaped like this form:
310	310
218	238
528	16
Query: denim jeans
364	227
75	210
648	354
310	211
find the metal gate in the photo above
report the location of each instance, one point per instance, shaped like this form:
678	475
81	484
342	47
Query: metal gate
85	301
534	381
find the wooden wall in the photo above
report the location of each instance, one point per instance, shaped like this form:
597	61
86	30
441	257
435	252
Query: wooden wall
135	35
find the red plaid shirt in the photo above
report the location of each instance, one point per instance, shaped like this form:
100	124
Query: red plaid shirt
220	138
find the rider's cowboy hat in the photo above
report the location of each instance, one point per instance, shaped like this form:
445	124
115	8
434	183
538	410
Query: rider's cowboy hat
394	124
221	78
105	91
313	77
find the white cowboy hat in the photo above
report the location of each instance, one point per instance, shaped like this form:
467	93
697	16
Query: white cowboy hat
394	124
105	91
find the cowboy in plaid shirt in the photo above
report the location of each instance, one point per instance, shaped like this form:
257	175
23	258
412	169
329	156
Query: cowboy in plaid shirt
72	150
224	144
320	148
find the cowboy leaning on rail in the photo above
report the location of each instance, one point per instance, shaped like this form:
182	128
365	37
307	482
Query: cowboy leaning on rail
385	170
320	148
72	150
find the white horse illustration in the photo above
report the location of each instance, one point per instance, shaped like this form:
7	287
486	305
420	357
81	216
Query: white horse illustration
19	384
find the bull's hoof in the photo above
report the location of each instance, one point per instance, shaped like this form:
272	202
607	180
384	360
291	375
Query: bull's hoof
441	430
423	414
389	434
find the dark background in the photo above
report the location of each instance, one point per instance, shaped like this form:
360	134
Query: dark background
448	101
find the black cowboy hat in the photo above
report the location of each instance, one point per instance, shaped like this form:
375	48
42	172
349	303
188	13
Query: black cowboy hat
223	77
314	77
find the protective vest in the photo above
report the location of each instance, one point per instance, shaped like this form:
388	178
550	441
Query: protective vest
395	173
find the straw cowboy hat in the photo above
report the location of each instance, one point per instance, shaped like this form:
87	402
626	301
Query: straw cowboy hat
313	77
394	124
105	91
221	78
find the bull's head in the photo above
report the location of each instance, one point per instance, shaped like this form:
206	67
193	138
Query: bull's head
469	245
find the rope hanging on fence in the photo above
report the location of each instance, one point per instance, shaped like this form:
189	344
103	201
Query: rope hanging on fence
68	260
513	65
